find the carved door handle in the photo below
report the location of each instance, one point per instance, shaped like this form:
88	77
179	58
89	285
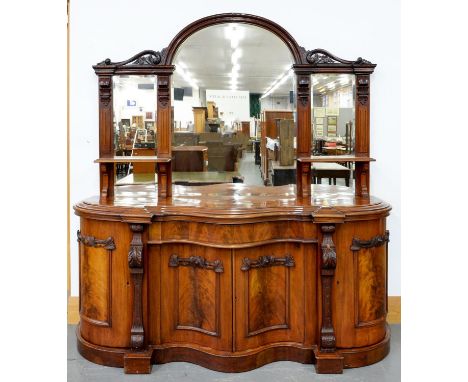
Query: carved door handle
267	261
197	262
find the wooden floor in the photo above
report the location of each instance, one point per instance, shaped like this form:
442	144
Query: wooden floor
393	317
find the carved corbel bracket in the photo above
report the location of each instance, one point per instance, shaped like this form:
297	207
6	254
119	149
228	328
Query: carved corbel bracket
135	263
196	262
267	261
328	266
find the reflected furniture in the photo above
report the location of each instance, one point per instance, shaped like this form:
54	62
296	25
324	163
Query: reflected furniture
282	175
332	171
233	276
189	158
200	114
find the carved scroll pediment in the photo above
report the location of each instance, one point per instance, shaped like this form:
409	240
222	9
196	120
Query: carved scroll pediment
321	56
146	57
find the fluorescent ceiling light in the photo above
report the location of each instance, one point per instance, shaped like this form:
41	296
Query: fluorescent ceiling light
236	55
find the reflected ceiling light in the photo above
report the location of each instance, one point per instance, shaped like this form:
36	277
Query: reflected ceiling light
186	75
236	55
234	33
278	83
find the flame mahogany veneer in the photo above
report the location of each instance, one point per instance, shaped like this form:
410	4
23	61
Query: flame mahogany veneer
232	276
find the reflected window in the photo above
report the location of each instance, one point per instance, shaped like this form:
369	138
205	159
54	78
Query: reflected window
333	114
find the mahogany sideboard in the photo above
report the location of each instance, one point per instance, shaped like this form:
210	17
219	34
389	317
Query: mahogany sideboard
233	276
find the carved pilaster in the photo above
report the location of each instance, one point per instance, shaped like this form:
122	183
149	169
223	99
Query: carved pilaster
303	115
135	263
164	116
362	114
328	266
106	128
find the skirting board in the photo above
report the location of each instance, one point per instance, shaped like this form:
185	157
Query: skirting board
393	317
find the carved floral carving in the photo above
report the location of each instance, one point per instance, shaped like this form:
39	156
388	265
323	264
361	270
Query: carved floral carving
105	90
303	89
197	262
163	91
91	241
267	261
363	83
376	241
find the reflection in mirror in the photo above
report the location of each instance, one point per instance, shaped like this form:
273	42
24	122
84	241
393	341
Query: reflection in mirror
134	107
333	114
233	108
333	121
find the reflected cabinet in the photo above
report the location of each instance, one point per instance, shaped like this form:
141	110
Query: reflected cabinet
234	224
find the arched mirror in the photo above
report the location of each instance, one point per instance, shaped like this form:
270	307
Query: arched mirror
233	108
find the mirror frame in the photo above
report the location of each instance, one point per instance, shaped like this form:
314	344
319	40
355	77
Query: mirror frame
306	62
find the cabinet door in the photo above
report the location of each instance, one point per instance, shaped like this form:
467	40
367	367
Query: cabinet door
269	294
196	296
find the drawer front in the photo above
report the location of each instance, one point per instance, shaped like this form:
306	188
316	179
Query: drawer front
270	299
196	302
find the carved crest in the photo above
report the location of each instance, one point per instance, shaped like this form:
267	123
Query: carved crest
146	57
321	56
